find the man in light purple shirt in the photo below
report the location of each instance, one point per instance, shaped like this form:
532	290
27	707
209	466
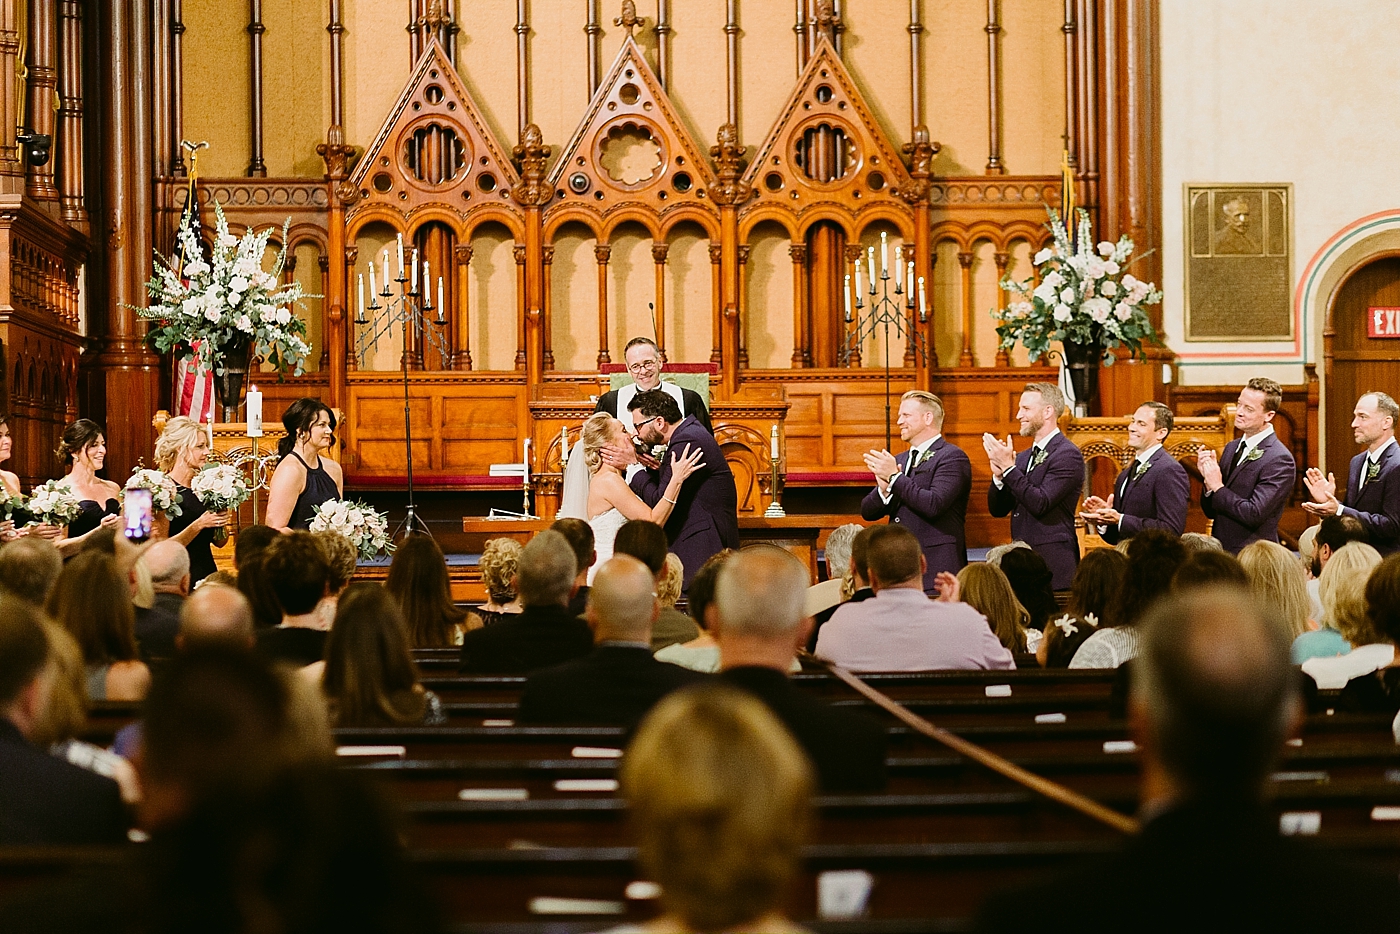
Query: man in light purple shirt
901	629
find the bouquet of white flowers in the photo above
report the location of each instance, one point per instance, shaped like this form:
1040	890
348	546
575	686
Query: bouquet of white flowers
165	497
220	487
366	527
10	503
52	504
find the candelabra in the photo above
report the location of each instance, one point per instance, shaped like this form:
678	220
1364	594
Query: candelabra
410	311
891	310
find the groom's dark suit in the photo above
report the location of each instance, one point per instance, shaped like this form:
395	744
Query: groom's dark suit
931	502
705	519
1151	499
1377	504
1247	508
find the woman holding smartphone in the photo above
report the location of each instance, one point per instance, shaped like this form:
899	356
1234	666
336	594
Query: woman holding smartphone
181	450
84	451
304	479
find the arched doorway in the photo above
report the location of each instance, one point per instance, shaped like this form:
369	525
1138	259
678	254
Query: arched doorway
1355	362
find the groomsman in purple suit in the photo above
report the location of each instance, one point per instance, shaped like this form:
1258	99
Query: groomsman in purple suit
1039	487
1151	492
1247	486
924	489
1373	483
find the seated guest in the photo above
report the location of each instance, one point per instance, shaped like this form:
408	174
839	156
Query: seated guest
544	633
985	588
668	592
619	681
368	676
1030	580
252	540
93	602
1213	700
997	552
1276	580
342	558
29	566
253	583
646	541
169	565
1204	568
1343	598
1153	557
901	629
837	587
721	799
499	564
418	581
47	801
1091	594
297	573
215	614
1200	541
1330	536
759	597
1369	675
860	591
580	536
702	652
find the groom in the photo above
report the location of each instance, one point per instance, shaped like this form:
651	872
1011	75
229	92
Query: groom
705	517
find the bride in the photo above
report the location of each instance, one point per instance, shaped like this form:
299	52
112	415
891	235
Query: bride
598	493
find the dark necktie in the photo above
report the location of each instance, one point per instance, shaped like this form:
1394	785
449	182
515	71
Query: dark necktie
914	457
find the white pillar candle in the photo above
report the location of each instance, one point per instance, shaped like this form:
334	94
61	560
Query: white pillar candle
884	253
526	461
847	291
427	279
563	441
361	277
870	260
400	256
773	442
373	289
923	303
413	275
858	293
439	304
898	267
255	412
386	272
910	288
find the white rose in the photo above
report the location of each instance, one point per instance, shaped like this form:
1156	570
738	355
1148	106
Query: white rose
244	324
1067	295
1109	288
1105	249
1123	310
284	315
1043	255
1098	309
1063	313
1055	280
238	284
212	314
1112	268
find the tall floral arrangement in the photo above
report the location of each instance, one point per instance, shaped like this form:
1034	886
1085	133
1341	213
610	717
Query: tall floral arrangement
202	308
1085	296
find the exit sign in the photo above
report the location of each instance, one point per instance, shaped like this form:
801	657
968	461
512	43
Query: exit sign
1383	322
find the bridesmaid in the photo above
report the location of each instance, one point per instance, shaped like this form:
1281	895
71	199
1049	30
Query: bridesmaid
9	480
84	450
304	479
181	451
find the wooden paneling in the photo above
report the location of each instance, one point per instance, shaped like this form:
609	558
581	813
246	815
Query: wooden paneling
1356	363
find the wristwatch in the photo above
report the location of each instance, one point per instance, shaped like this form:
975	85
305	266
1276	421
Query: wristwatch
889	481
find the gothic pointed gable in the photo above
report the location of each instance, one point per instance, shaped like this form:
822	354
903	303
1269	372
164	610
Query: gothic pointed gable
825	146
631	148
434	148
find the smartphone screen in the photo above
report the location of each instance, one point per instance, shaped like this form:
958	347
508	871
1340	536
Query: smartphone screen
137	515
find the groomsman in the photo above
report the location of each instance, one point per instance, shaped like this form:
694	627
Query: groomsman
1247	487
1151	491
1040	486
925	489
1373	483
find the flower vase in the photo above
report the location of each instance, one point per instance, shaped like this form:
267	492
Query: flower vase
1082	361
234	360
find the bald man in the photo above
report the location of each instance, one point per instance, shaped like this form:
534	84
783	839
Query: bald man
619	681
215	615
169	565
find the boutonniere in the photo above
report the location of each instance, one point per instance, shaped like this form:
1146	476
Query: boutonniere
1373	471
1037	458
1253	455
1142	468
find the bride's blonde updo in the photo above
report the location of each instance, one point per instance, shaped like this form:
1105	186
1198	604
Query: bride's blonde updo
597	434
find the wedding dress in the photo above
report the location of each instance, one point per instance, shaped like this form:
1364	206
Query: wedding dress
573	504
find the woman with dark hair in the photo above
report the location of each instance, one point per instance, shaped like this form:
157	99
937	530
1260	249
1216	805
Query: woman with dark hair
418	582
369	678
83	450
1153	558
1030	579
304	478
1091	597
92	600
8	479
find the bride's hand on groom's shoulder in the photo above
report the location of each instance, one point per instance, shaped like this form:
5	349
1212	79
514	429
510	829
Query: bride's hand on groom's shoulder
686	462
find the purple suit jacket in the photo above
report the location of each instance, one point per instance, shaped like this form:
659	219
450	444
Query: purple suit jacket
1156	500
1378	505
1042	505
932	503
1247	508
705	519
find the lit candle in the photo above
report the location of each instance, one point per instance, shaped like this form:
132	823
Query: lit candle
563	441
209	423
870	259
910	288
923	303
773	442
386	272
255	413
526	462
372	288
414	272
400	257
427	279
857	285
439	296
898	267
847	290
884	253
362	293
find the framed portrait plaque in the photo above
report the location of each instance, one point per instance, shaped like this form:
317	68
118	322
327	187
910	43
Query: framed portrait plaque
1238	262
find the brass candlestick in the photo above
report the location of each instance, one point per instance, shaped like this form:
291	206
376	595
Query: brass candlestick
775	508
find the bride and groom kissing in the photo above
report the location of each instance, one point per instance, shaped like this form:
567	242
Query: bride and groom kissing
688	490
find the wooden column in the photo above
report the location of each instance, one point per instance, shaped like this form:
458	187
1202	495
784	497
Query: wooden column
658	259
1068	28
603	252
72	209
801	307
1001	260
716	303
161	144
340	333
593	30
177	84
547	307
11	161
1086	97
852	254
522	306
340	339
993	30
522	64
532	192
323	263
742	311
965	261
257	168
43	84
462	329
663	43
929	259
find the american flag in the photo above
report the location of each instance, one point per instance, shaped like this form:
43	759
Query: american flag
194	386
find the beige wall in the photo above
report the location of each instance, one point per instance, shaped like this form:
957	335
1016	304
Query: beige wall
296	75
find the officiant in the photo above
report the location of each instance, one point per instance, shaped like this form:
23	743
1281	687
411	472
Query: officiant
643	360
